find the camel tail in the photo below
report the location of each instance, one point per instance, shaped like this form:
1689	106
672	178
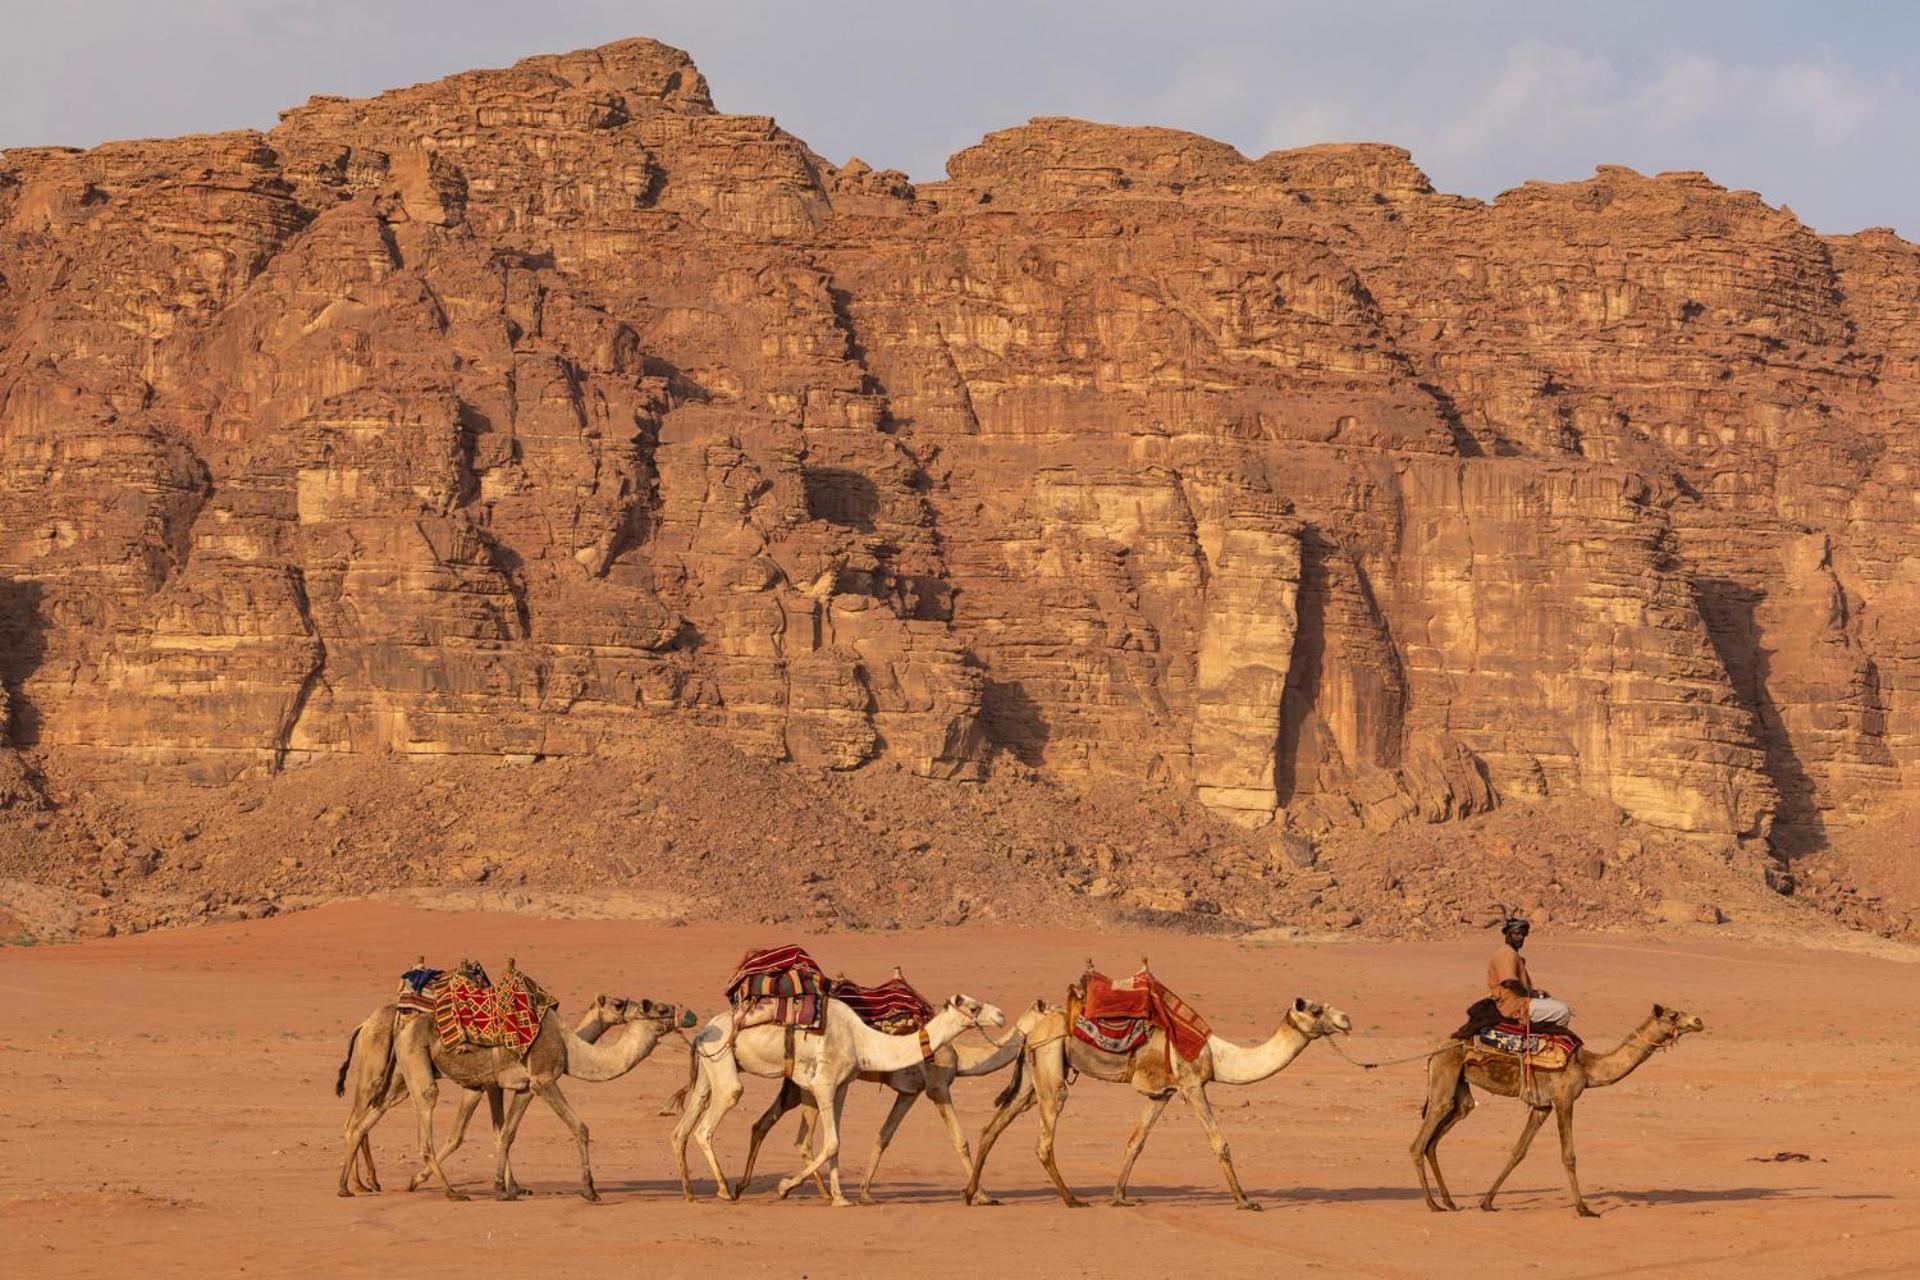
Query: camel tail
673	1105
1012	1090
340	1082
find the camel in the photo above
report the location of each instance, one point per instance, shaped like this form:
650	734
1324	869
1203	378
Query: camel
934	1077
1449	1100
824	1065
421	1060
1156	1074
369	1063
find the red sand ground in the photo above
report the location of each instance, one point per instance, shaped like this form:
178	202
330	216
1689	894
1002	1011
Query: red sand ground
167	1107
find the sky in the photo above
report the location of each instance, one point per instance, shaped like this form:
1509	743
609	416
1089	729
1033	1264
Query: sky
1814	106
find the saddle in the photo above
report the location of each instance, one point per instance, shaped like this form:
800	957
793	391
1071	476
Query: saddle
1543	1051
893	1007
471	1011
1119	1017
782	986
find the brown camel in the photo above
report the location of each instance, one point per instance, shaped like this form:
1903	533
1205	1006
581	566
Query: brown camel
367	1072
1449	1100
421	1060
1154	1073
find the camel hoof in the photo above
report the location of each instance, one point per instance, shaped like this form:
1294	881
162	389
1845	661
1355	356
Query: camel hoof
1487	1207
458	1195
843	1203
1252	1206
1123	1202
1585	1212
866	1197
785	1189
345	1194
1075	1202
982	1198
590	1196
502	1193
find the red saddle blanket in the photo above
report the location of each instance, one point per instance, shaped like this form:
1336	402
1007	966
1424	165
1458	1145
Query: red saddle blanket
893	1006
503	1015
1144	1002
779	985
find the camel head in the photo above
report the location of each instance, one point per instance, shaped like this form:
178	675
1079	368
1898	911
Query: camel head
663	1017
975	1013
1671	1024
1311	1018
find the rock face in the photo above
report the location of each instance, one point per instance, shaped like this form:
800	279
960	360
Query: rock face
508	413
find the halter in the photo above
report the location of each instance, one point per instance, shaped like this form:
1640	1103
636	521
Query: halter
1654	1045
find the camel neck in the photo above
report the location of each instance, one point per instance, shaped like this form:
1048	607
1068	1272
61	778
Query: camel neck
589	1060
981	1060
1624	1058
879	1051
1249	1064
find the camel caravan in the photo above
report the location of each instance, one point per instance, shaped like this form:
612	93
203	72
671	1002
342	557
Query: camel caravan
787	1021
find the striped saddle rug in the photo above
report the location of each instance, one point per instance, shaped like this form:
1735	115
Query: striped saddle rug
893	1007
1118	1016
1543	1051
780	985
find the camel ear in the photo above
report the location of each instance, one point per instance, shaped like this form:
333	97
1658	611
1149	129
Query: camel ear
1659	1011
601	998
1300	1004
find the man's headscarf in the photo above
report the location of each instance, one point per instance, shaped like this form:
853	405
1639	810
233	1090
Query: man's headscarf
1516	923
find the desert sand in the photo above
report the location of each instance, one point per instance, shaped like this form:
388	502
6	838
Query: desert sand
167	1108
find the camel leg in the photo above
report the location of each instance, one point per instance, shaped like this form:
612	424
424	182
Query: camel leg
469	1099
1005	1116
827	1125
550	1091
803	1140
504	1187
366	1178
425	1091
786	1100
1536	1116
902	1103
943	1103
723	1094
1563	1112
1052	1094
1461	1109
1445	1084
1149	1116
693	1108
1197	1098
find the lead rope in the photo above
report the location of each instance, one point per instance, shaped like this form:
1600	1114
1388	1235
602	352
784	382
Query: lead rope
1390	1062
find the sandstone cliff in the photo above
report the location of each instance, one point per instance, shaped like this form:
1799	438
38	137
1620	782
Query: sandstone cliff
507	414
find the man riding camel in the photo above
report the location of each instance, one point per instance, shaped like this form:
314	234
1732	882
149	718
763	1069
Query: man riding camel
1510	986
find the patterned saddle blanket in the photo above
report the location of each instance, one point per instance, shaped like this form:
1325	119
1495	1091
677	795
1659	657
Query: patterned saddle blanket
471	1011
780	985
1118	1017
1543	1051
893	1007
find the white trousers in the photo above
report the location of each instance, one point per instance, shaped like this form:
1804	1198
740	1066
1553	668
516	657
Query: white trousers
1543	1009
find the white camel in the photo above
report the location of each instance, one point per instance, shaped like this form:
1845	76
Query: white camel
934	1078
822	1065
421	1060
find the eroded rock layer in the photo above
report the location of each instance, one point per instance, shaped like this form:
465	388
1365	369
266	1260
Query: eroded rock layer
506	413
